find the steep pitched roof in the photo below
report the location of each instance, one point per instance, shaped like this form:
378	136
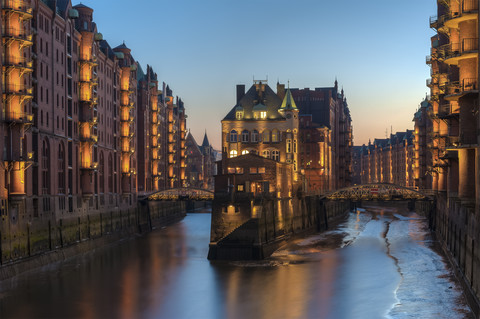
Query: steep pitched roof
205	143
252	98
288	102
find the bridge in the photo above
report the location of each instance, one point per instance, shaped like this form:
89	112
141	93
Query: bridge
182	193
375	191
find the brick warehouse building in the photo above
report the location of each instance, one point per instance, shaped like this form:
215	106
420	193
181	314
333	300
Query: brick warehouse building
75	112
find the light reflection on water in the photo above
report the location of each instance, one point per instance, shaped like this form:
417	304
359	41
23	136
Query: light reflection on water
345	273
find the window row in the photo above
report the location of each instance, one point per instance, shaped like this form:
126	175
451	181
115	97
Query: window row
271	154
246	136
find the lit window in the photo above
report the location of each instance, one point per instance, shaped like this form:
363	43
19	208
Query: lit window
239	115
245	134
239	170
261	170
233	153
253	170
263	114
266	154
231	170
266	136
240	188
275	136
244	152
233	136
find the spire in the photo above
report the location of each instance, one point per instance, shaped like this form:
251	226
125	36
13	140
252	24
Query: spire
205	140
288	102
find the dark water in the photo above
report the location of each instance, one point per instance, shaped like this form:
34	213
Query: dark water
380	263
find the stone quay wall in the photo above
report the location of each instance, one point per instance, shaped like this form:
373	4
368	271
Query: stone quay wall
253	227
457	228
27	245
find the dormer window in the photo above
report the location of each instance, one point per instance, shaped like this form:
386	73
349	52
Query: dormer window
239	113
260	111
263	114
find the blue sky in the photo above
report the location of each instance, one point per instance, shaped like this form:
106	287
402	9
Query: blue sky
202	49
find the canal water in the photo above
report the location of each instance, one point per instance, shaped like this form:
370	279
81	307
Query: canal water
379	263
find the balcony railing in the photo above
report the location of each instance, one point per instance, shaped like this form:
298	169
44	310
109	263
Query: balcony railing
16	5
19	89
17	61
89	165
18	117
451	50
17	33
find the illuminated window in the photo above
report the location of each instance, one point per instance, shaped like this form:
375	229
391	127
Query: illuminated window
275	136
275	155
231	170
244	152
261	170
289	146
239	170
233	153
294	146
266	154
254	136
266	136
253	170
263	114
245	134
240	188
239	115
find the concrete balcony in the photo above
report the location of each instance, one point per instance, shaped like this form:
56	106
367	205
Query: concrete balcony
456	90
21	7
455	52
18	118
468	11
17	89
18	62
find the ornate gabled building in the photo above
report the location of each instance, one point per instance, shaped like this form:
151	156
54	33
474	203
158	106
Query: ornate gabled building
262	123
200	163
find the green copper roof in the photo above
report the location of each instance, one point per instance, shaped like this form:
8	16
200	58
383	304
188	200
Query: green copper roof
288	102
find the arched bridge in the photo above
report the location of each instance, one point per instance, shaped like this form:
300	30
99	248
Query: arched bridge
182	193
377	191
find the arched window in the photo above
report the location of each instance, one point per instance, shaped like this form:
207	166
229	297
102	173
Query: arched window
233	153
245	134
275	155
266	154
45	167
266	136
244	152
61	169
233	136
101	172
254	136
275	136
110	173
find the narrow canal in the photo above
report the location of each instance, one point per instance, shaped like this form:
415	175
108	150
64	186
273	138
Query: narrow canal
379	263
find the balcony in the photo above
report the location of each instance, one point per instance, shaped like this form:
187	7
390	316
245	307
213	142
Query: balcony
92	139
456	90
17	62
428	59
468	11
466	49
437	23
89	166
17	89
18	117
21	7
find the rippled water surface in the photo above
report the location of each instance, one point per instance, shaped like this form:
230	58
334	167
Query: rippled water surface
379	263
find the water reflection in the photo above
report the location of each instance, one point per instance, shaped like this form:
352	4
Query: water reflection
349	272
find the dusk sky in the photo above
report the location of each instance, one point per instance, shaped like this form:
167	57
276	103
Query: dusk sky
203	49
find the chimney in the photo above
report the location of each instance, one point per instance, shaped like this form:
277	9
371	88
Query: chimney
281	90
240	91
